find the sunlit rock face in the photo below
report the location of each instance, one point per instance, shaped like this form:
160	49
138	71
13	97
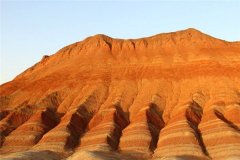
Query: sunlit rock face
170	96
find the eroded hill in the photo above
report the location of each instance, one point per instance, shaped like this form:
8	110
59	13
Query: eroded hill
169	96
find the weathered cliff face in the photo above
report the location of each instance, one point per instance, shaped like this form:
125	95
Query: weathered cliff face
170	96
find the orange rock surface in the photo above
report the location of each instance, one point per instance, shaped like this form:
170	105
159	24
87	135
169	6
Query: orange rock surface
170	96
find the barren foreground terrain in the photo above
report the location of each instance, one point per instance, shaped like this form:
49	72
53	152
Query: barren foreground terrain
170	96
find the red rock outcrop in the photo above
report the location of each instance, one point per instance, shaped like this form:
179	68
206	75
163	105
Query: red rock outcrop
170	96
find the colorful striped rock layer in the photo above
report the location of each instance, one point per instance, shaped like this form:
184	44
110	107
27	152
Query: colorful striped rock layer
170	96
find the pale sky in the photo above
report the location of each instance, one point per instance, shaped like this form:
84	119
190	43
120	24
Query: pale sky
31	29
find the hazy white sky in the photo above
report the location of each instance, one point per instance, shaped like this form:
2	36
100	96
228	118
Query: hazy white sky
31	29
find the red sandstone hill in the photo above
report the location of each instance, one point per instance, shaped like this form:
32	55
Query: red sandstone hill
170	96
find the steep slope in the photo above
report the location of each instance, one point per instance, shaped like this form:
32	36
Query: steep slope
169	96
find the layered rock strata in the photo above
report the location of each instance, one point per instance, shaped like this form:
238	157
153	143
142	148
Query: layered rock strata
170	96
